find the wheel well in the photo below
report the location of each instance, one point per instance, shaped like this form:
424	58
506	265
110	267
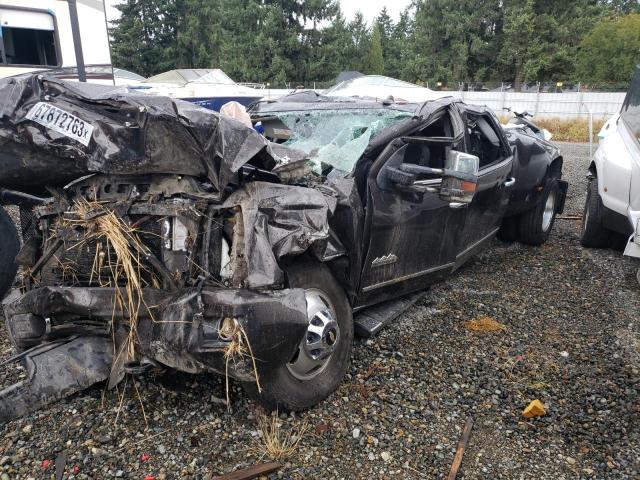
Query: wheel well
555	169
593	169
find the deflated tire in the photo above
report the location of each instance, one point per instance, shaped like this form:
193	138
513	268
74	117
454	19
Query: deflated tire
9	247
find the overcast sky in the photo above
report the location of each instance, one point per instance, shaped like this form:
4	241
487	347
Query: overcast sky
369	8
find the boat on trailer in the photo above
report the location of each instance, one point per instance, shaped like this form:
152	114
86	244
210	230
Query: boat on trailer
209	88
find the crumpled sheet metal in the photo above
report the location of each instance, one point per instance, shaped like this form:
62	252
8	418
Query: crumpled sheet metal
133	134
181	329
348	219
183	333
283	220
54	371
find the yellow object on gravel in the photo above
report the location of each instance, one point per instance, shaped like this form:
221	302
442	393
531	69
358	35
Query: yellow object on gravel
534	409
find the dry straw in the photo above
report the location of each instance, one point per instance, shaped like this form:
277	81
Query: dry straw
122	256
276	443
238	348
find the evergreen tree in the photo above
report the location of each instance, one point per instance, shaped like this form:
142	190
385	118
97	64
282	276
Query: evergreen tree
359	42
397	51
451	40
144	35
302	41
541	38
374	60
385	26
337	50
519	40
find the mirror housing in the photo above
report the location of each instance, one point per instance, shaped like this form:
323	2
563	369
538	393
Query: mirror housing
460	178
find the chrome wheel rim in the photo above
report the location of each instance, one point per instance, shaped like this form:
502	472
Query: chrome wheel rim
549	211
320	340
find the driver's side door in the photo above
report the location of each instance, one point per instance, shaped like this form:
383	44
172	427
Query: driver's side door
412	236
484	139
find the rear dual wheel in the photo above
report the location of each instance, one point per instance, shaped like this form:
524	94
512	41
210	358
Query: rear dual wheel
534	226
537	223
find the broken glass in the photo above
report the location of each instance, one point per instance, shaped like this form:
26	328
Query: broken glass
337	137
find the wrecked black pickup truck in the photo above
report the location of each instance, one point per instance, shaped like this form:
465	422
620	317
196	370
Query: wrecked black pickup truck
157	234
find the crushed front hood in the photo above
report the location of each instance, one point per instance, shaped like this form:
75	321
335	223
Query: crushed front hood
132	134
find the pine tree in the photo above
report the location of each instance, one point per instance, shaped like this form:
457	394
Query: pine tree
142	36
374	60
396	55
336	50
386	28
359	42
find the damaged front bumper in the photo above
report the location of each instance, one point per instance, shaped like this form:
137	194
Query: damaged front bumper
183	331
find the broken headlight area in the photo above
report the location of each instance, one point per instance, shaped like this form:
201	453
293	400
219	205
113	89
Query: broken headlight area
108	231
159	274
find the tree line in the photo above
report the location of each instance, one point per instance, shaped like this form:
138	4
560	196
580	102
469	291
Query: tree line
298	42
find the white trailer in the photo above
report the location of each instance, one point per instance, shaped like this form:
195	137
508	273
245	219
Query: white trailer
37	34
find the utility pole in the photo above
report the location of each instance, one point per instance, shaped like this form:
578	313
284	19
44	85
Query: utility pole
77	40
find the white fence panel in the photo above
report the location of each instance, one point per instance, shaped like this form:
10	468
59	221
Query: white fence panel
572	105
563	105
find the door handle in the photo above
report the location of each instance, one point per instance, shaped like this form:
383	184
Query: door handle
457	205
510	183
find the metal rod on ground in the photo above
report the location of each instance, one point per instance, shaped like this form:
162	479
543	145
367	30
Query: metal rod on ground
251	472
462	446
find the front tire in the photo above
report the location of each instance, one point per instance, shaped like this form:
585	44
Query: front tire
322	359
594	235
9	247
537	223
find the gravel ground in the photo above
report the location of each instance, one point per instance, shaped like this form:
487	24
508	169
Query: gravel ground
572	340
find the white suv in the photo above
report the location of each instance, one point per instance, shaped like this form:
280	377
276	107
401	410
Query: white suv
612	210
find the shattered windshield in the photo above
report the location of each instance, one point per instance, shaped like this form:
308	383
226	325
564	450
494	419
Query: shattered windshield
336	137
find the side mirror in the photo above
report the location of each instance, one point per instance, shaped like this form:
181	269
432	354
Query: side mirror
460	178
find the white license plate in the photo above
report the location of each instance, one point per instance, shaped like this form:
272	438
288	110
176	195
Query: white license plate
62	122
